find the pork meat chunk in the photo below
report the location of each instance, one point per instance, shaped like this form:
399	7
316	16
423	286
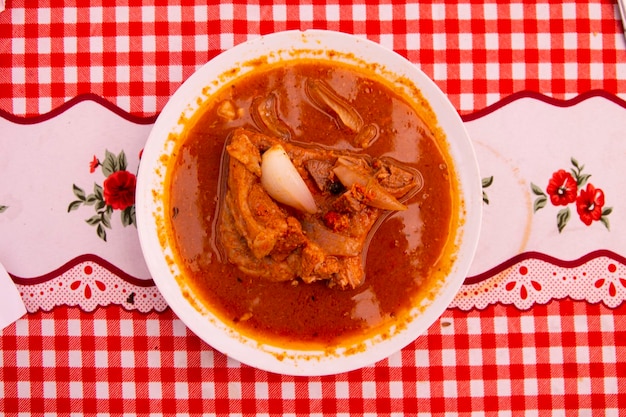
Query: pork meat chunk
268	240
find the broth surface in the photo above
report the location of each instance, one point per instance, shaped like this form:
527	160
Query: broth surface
404	254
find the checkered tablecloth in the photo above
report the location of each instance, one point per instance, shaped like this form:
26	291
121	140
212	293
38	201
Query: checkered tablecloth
135	56
111	356
562	358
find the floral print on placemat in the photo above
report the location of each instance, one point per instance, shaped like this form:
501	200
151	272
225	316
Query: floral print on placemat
568	187
117	192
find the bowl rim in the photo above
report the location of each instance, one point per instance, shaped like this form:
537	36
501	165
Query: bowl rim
151	177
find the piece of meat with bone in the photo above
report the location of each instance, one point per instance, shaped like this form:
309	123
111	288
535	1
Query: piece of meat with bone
271	237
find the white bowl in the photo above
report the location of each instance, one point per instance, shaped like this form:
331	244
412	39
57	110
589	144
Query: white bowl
158	250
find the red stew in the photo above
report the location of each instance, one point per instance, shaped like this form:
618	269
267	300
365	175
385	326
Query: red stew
406	253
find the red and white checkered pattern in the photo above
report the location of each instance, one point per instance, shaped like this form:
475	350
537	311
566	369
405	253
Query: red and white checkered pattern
136	55
562	358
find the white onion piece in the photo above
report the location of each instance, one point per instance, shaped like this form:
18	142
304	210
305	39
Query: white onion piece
333	243
380	198
283	183
321	93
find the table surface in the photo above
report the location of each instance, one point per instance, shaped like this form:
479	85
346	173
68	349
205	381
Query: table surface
540	322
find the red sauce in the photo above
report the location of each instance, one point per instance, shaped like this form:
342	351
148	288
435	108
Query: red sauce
409	253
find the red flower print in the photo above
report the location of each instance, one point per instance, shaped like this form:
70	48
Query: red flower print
562	188
565	188
116	193
589	204
95	163
119	190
